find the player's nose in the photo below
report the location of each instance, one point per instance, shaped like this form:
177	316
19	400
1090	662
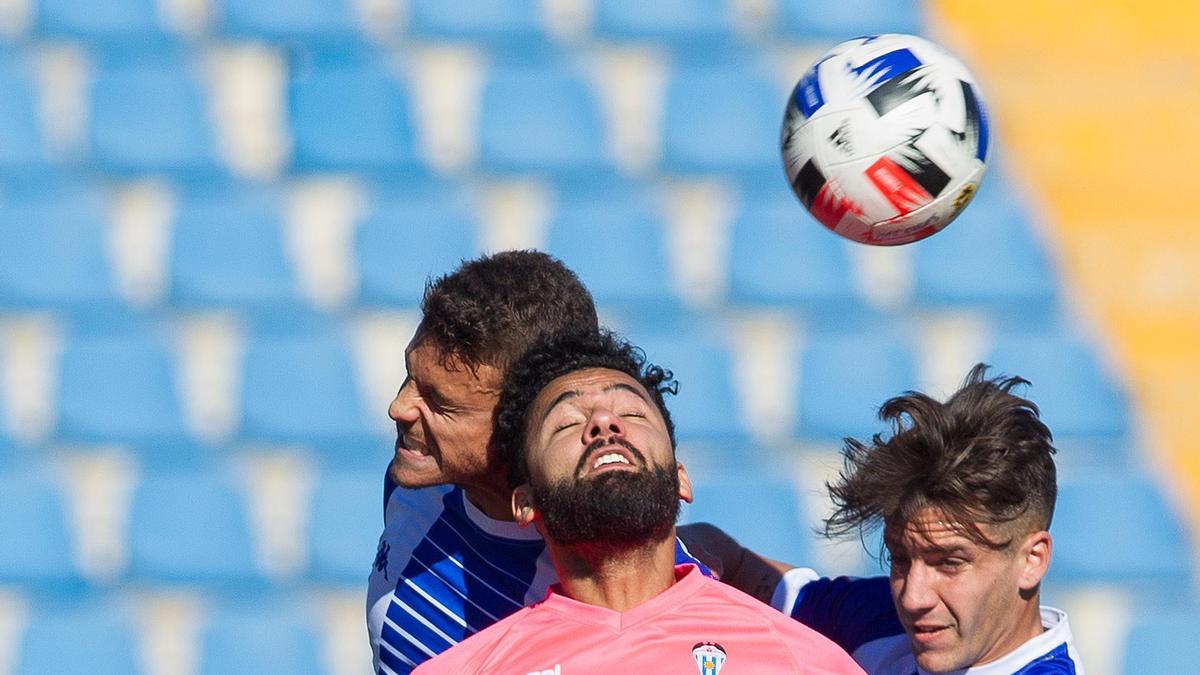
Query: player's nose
917	594
603	423
403	407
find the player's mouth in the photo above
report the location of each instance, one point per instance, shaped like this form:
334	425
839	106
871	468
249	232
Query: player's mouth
409	451
610	455
926	634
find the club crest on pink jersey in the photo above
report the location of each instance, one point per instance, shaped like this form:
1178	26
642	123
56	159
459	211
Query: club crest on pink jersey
710	657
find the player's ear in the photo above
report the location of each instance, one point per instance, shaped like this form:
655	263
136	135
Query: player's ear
685	483
523	509
1035	553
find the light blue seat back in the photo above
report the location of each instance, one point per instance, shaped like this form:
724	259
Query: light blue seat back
845	377
191	528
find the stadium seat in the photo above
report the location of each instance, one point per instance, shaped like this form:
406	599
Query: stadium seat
762	512
1163	642
781	258
54	255
988	259
502	24
98	637
1077	397
273	639
120	24
1116	527
152	116
36	549
24	148
832	21
191	528
300	388
100	401
344	524
394	251
228	252
616	241
707	407
375	129
844	378
541	120
672	23
722	120
302	22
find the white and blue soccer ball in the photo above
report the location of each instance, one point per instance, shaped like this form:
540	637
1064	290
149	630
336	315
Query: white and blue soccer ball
885	139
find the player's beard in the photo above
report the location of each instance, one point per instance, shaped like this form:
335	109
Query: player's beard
622	509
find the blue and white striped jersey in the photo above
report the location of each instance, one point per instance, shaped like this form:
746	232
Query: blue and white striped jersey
858	614
444	571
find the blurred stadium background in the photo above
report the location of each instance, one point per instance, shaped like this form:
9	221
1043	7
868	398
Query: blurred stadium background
216	218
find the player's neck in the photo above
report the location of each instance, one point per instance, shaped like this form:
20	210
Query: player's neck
492	497
618	579
1027	626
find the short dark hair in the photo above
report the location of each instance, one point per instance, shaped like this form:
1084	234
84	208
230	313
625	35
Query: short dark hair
983	456
557	356
491	309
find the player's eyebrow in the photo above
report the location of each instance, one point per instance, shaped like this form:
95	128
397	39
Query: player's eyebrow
572	393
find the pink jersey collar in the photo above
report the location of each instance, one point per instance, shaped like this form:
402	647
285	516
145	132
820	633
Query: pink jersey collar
688	581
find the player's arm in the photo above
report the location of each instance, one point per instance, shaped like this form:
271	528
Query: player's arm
734	564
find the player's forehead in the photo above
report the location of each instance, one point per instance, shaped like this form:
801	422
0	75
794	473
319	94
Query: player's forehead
932	529
431	364
584	388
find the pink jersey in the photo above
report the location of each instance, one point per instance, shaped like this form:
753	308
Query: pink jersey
698	625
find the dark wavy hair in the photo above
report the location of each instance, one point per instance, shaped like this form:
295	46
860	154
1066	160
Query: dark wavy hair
557	356
983	456
493	308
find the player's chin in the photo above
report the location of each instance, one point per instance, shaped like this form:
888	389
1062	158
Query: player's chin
408	474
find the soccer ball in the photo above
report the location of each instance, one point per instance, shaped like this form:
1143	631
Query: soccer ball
885	139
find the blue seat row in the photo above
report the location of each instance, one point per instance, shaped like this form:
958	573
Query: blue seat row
506	22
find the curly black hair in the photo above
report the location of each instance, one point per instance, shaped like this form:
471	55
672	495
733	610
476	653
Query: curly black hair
983	456
493	308
557	356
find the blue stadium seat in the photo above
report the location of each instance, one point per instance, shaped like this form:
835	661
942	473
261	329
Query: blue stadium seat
24	147
762	512
722	120
36	549
151	116
671	23
300	388
837	20
191	528
55	254
273	639
1163	642
121	24
507	24
1077	397
375	130
227	252
707	406
344	520
616	241
1117	527
844	378
541	120
98	637
988	259
101	401
394	250
780	257
307	22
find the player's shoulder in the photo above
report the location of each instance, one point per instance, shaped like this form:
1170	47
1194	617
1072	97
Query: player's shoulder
473	653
